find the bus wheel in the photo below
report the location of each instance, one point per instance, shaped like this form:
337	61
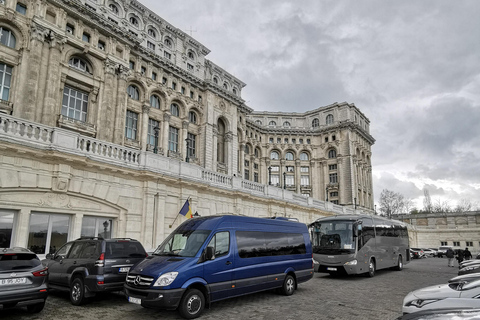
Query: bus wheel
288	285
192	304
371	268
399	264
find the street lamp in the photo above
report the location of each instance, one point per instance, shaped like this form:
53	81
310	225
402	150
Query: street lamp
355	203
327	193
284	180
105	226
188	140
155	148
375	209
269	175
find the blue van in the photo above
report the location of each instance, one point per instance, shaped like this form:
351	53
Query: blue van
213	258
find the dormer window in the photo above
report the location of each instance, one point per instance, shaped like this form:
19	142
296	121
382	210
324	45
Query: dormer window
80	64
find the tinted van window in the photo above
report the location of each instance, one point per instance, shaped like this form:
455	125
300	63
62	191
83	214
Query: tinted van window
18	261
259	244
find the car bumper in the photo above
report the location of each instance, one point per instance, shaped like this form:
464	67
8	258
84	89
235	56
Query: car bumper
156	299
105	283
37	295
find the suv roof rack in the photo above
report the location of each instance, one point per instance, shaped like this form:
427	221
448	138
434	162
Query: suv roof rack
123	239
90	238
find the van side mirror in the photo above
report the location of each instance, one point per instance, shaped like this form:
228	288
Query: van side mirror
49	256
210	253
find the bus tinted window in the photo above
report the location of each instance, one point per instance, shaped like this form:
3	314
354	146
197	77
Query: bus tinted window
259	244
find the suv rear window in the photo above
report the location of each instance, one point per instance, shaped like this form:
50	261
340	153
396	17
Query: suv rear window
17	261
124	249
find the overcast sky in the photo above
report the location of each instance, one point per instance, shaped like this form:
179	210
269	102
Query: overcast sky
412	67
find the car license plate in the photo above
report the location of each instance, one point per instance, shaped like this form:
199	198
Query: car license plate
123	269
134	300
6	282
331	269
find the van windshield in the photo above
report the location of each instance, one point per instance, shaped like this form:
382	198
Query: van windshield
183	243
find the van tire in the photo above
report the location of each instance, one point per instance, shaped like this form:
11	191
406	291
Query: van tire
288	285
371	268
399	266
192	304
77	292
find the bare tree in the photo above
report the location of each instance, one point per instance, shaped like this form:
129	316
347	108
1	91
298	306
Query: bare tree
441	206
465	205
391	203
427	202
408	205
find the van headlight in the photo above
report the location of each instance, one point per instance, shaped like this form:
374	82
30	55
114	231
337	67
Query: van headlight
351	263
165	279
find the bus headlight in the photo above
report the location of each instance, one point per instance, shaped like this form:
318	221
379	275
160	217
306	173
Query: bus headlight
351	263
165	279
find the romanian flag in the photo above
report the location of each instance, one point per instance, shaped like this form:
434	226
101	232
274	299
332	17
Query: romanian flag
186	210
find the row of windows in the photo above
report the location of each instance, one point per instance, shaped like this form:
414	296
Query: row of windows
315	122
275	155
285	140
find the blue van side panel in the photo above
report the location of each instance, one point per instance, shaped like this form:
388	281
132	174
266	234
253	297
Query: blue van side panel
194	280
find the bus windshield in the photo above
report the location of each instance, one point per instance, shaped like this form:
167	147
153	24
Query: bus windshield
332	237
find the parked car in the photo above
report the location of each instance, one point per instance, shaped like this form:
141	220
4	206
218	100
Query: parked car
23	280
435	251
89	265
417	253
442	250
416	300
212	258
428	252
465	263
447	309
468	268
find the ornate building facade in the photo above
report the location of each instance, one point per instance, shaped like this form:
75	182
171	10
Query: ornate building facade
110	118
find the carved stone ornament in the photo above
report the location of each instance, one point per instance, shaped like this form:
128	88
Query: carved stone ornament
55	200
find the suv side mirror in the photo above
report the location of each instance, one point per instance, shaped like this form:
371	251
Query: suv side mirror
49	256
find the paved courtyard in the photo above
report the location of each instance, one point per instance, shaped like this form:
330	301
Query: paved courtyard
323	297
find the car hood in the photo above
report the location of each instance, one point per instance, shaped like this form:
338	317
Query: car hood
156	265
436	292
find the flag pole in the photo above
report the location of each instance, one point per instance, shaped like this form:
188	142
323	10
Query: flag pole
170	226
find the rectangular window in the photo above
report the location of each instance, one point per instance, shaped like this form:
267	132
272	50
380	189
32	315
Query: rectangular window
164	80
456	243
191	145
96	227
47	232
6	228
255	177
300	141
275	179
112	20
332	167
167	55
191	94
279	140
444	243
270	140
143	70
469	243
21	8
86	37
326	139
5	81
247	163
101	45
333	194
173	139
305	180
189	67
70	29
174	86
75	103
131	125
308	141
333	178
182	90
255	166
150	46
199	98
131	65
154	76
289	180
247	174
275	168
304	169
286	140
294	141
152	124
290	168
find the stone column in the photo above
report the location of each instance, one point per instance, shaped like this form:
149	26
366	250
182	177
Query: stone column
282	169
21	226
229	150
298	176
182	138
51	101
106	110
121	109
144	127
242	159
166	127
215	148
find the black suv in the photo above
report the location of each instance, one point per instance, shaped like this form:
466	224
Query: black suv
23	280
89	265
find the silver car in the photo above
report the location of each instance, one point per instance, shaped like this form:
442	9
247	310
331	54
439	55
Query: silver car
464	287
23	280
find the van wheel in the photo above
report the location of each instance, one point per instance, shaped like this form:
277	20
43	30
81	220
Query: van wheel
371	268
192	304
288	285
399	264
77	292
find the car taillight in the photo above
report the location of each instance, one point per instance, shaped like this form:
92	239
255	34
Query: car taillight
101	261
41	273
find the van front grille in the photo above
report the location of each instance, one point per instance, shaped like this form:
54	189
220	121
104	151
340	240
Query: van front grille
139	281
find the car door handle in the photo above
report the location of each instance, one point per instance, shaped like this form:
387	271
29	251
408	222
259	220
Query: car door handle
228	262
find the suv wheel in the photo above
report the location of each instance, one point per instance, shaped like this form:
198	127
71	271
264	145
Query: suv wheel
35	308
192	304
77	292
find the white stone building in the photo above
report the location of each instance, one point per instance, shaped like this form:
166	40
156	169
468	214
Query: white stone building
110	118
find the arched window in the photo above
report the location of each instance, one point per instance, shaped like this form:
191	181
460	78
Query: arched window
7	37
174	110
257	152
330	119
132	92
315	123
234	91
113	8
286	124
225	86
168	42
258	122
192	117
332	154
155	101
272	123
215	80
247	149
191	55
274	155
221	148
289	156
303	156
134	21
79	64
152	33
